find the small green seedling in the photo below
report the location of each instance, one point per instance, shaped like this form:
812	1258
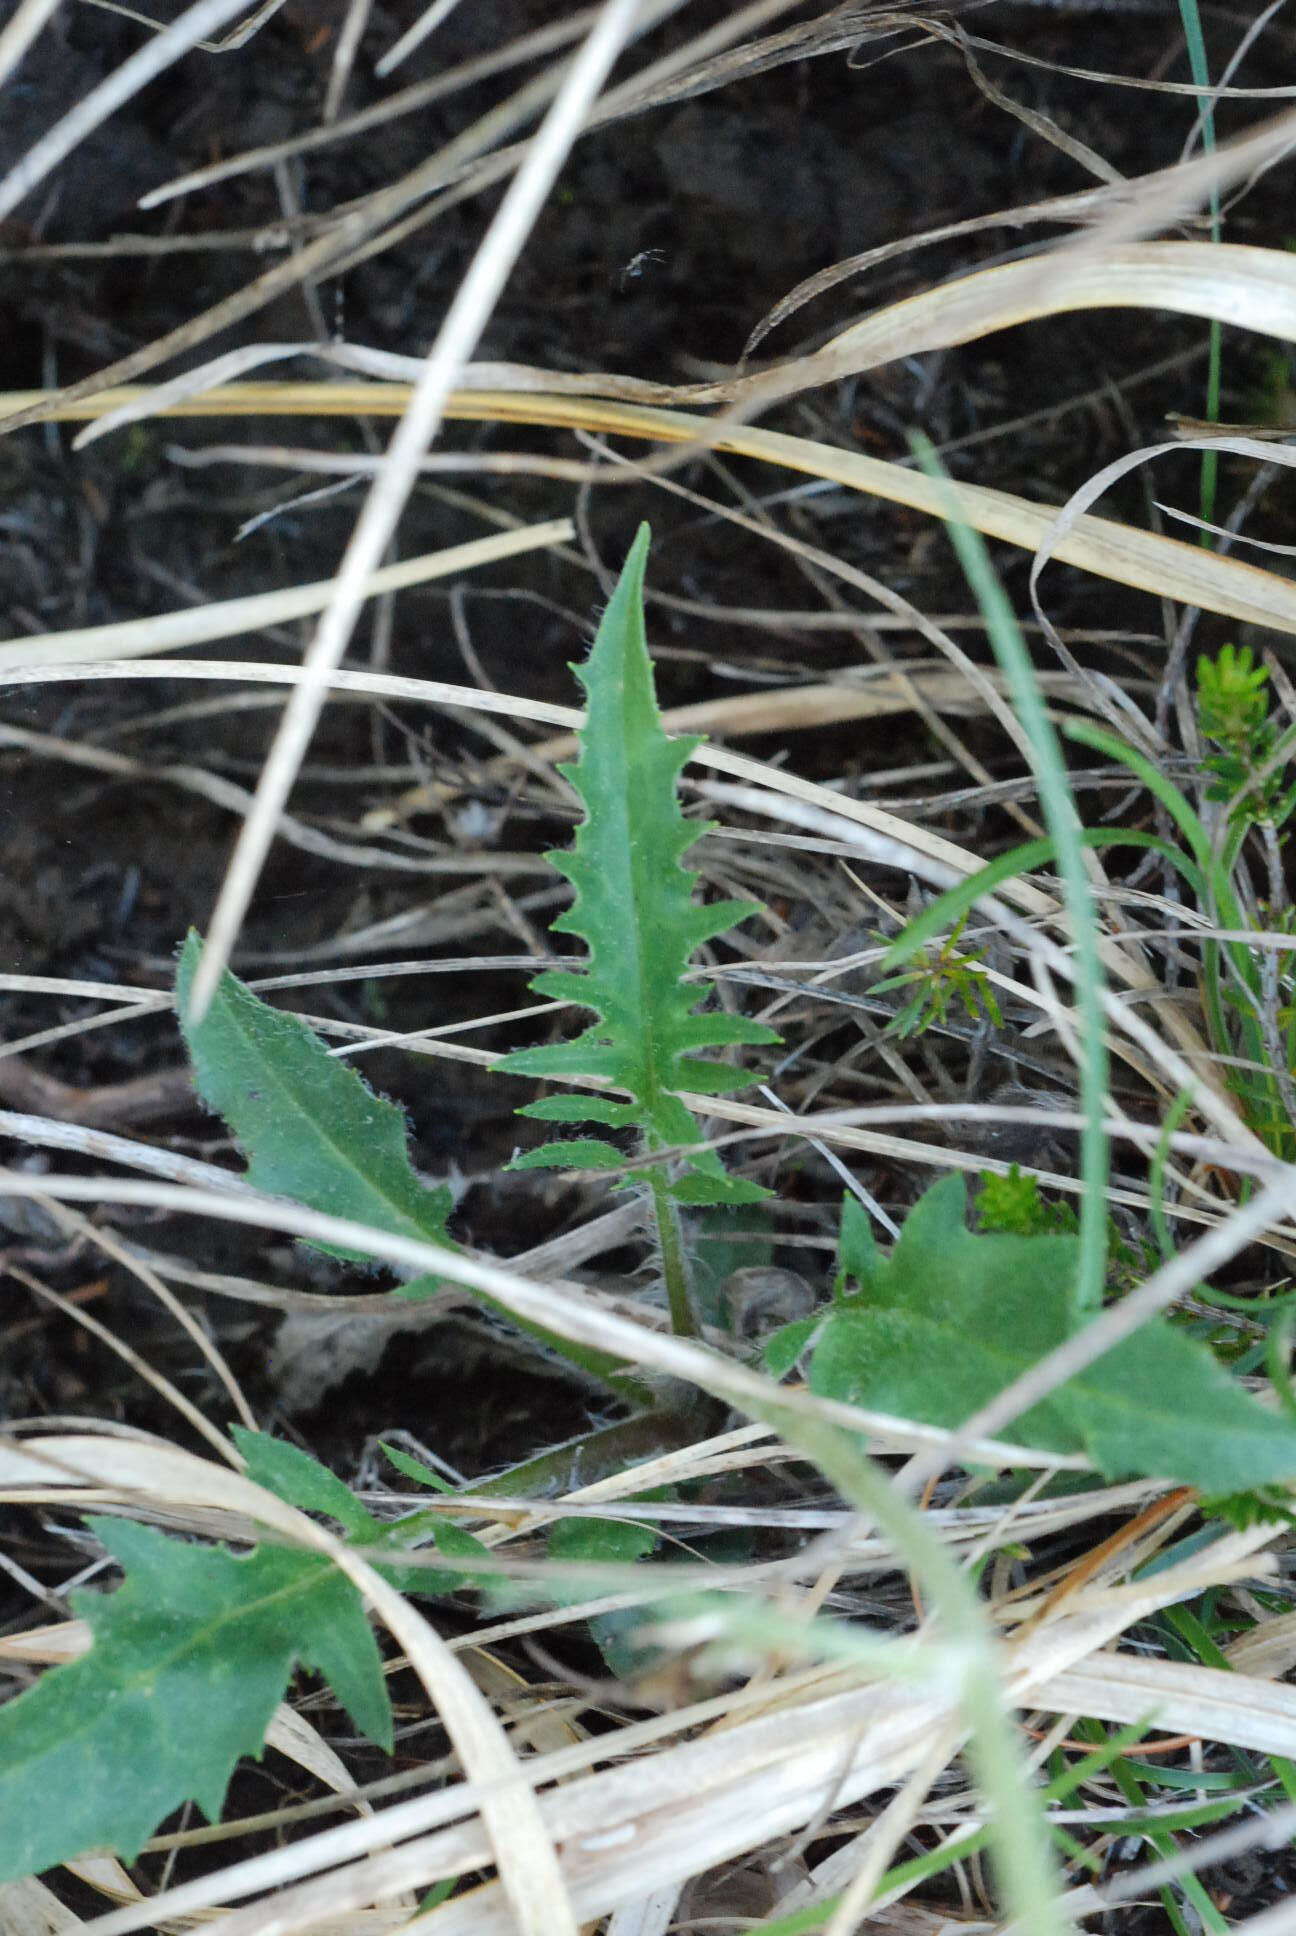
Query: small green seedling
1013	1205
946	974
192	1654
635	910
1233	713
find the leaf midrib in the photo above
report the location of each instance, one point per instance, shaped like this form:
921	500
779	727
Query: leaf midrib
187	1645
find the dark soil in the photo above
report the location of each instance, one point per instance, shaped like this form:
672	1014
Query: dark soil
669	238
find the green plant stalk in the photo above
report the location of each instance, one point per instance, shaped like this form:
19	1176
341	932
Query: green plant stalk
1216	868
1221	901
1200	71
674	1261
1063	824
1156	1174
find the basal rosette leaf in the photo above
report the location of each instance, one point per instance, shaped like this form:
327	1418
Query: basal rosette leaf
634	905
189	1660
951	1317
309	1126
313	1131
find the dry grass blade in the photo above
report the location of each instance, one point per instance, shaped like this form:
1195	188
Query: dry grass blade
1184	1697
1165	567
654	1821
143	66
870	830
414	36
230	618
20	31
555	1307
237	36
651	1823
456	339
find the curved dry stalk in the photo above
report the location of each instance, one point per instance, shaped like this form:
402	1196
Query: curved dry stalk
1165	567
232	617
20	30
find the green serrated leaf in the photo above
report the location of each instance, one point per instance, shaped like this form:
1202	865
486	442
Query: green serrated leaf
581	1109
310	1127
580	1153
190	1658
300	1480
952	1317
313	1131
706	1190
633	904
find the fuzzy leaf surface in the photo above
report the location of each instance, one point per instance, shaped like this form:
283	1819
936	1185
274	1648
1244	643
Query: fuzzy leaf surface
950	1317
310	1127
190	1658
634	905
314	1131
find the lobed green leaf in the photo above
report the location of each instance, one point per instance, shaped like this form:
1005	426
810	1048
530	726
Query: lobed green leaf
951	1317
634	909
189	1660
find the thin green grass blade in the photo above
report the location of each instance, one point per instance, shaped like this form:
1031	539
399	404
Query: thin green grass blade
949	908
1220	900
1064	825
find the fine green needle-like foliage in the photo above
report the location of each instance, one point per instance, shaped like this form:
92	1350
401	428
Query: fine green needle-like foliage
634	908
190	1658
949	1317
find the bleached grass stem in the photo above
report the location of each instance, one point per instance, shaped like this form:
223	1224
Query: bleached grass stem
467	316
554	1306
21	31
144	65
